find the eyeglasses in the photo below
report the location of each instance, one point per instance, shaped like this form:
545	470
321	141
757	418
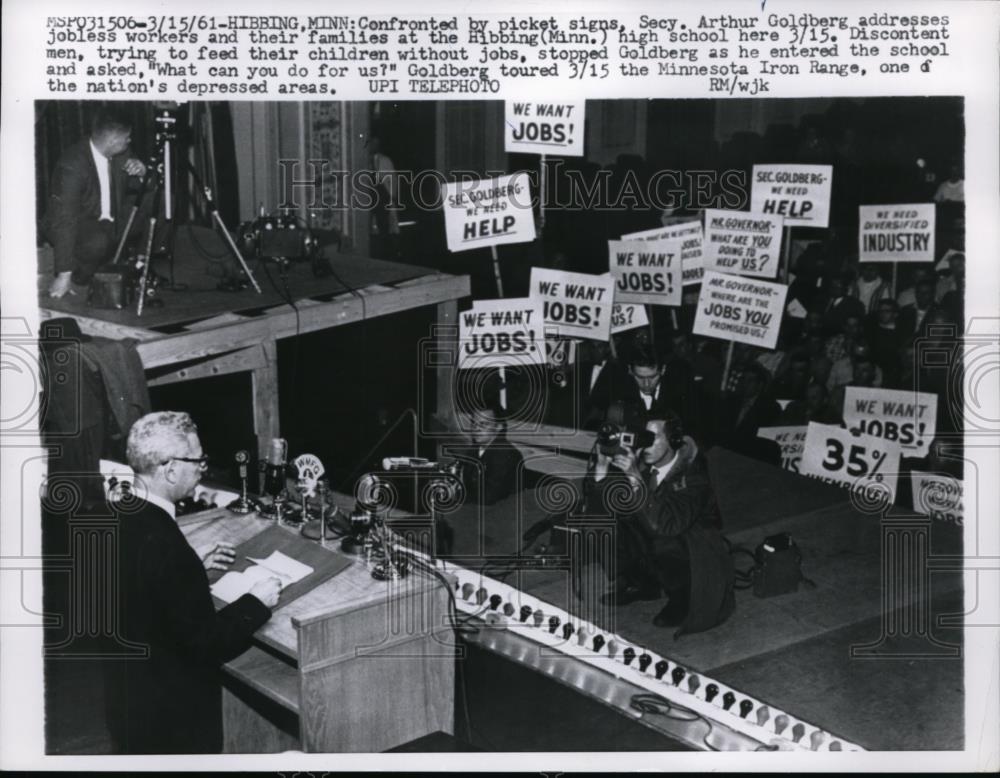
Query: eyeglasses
201	461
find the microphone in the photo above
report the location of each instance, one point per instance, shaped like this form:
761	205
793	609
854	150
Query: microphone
243	504
274	467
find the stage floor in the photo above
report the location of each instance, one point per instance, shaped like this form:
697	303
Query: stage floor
792	651
795	651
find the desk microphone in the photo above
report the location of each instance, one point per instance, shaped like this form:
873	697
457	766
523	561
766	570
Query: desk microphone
274	468
243	504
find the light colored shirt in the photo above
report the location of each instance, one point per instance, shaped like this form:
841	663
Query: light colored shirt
595	373
867	291
950	191
649	399
664	470
103	165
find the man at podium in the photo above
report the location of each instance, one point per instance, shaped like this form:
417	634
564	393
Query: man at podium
170	701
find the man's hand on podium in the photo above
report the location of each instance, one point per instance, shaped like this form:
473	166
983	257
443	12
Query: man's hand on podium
216	556
267	591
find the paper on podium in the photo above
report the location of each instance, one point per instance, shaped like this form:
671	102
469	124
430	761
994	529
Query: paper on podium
234	585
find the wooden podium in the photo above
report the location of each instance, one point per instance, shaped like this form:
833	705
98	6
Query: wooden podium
351	665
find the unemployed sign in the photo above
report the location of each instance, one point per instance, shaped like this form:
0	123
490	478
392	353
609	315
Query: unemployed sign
861	463
896	233
646	272
691	236
488	212
498	333
741	309
745	244
626	317
939	496
792	441
799	193
907	418
575	304
544	127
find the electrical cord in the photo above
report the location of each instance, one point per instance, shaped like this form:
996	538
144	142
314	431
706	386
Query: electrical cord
655	704
461	628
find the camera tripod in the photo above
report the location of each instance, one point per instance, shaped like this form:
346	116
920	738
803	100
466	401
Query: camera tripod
160	179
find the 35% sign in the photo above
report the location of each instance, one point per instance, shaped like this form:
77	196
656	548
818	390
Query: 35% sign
865	464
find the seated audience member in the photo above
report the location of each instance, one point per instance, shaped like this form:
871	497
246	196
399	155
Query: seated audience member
907	296
906	372
864	372
171	700
791	383
668	528
953	298
490	465
839	344
653	389
952	189
814	406
949	280
747	411
886	339
911	317
842	372
810	276
596	373
839	305
870	288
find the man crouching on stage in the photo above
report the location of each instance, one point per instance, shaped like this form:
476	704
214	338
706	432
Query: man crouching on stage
667	530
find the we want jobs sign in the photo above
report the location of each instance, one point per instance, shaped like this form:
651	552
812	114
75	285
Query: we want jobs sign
544	127
501	333
646	272
577	305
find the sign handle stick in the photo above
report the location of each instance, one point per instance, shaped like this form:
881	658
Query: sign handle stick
502	371
496	271
895	267
612	347
673	319
541	192
652	334
729	363
786	255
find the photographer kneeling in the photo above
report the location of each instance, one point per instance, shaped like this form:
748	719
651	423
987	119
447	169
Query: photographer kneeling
656	485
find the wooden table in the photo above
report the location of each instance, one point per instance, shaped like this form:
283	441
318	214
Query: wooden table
353	665
201	332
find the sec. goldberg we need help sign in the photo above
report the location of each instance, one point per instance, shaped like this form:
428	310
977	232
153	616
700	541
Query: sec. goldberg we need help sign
488	212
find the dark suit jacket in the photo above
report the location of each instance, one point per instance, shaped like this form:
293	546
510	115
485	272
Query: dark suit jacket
170	701
75	197
906	324
492	476
835	314
681	510
676	393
